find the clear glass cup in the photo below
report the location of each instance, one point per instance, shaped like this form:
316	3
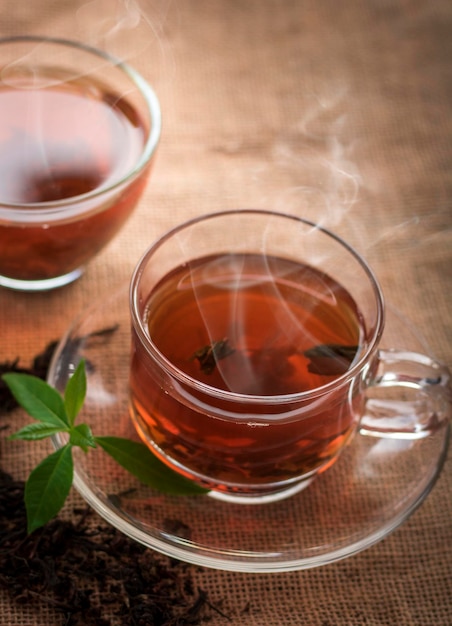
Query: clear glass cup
256	359
78	135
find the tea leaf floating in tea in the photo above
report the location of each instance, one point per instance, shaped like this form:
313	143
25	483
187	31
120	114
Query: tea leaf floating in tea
49	483
325	359
209	355
330	359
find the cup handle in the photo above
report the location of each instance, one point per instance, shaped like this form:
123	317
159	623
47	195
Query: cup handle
409	397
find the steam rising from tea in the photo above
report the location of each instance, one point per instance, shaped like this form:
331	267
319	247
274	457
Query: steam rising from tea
243	323
63	139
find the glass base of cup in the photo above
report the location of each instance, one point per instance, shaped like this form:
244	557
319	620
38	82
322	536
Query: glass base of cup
261	494
264	497
41	285
238	494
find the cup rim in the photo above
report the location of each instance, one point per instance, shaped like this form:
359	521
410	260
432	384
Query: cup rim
58	208
232	396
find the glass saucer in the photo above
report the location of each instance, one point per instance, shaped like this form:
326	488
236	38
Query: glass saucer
373	488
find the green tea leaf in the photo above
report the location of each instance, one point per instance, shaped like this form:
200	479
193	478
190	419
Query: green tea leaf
75	392
137	459
39	399
82	436
36	431
50	482
48	486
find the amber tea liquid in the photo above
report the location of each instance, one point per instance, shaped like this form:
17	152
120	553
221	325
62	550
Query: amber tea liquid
61	139
243	324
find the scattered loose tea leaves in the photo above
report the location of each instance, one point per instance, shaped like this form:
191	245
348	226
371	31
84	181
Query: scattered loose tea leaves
330	359
82	570
209	355
90	573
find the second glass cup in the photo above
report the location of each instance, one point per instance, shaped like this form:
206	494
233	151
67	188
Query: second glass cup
78	134
255	341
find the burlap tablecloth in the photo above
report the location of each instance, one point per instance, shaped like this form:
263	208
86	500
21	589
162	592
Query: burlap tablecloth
337	111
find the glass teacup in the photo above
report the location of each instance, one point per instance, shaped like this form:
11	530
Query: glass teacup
256	359
78	135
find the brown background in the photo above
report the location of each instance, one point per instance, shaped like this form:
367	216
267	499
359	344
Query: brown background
337	111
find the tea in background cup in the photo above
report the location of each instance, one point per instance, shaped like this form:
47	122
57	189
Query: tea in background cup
255	339
78	134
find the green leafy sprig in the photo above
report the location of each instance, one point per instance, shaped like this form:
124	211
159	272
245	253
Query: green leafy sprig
48	485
